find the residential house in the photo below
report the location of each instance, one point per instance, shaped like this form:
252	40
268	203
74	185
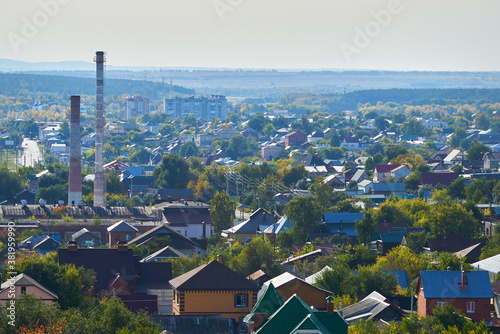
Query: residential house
204	139
383	173
295	138
452	243
495	287
310	160
455	157
296	316
250	133
342	222
352	143
259	221
189	218
178	241
471	254
389	189
442	178
288	285
388	240
365	186
434	123
373	307
289	264
26	196
169	194
270	152
312	279
41	243
23	284
315	136
140	285
281	225
491	161
114	165
213	289
121	231
85	238
490	265
470	292
360	176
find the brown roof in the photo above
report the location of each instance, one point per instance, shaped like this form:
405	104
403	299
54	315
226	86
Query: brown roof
452	243
433	179
212	276
386	168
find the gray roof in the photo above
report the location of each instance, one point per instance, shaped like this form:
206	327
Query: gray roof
79	233
164	253
491	264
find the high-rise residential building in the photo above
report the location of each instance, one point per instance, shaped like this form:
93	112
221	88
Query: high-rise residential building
201	107
136	106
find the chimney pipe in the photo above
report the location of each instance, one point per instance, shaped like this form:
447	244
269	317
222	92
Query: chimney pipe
122	246
464	280
75	155
203	226
99	179
72	246
329	304
219	258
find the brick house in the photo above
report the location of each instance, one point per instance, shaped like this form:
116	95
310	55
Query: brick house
295	138
470	292
121	231
213	289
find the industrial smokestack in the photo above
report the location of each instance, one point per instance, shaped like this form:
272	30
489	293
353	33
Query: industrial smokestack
99	180
75	153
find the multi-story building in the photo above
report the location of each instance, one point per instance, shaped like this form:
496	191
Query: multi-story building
136	106
201	107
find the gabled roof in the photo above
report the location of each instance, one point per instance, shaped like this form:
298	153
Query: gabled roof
122	226
314	277
466	251
447	284
178	240
164	253
492	156
370	307
391	237
212	276
453	155
25	280
386	168
295	315
257	219
452	243
269	303
78	234
310	256
280	226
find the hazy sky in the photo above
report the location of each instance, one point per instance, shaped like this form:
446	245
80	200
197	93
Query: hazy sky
451	35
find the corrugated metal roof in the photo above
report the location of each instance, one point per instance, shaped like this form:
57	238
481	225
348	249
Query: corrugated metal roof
491	264
447	284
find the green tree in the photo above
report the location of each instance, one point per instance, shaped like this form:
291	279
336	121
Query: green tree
416	241
189	149
222	211
412	127
476	150
10	183
482	121
366	228
173	172
323	192
113	183
394	151
269	130
64	128
293	174
305	214
257	253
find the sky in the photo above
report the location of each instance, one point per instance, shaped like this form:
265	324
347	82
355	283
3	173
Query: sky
405	35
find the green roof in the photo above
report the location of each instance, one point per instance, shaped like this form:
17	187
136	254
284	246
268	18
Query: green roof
268	303
294	314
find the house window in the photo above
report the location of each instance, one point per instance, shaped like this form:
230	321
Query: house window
441	304
128	237
241	300
117	237
23	289
471	307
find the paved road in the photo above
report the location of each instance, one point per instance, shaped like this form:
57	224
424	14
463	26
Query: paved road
31	154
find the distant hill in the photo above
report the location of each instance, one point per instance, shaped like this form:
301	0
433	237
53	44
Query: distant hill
11	83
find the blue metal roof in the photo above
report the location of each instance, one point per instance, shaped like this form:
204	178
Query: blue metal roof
389	186
402	277
446	284
345	217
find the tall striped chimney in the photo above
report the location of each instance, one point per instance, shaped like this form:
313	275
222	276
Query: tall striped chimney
75	155
99	180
